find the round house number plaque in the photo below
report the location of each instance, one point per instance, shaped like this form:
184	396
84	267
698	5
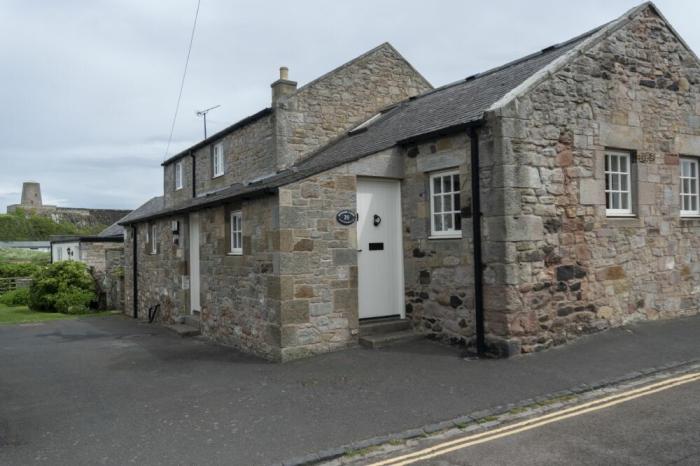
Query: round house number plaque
345	217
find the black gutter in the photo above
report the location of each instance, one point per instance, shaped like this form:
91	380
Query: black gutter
476	243
135	283
90	239
194	175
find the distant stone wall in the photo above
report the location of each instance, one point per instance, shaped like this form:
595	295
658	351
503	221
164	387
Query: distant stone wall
562	268
82	218
105	261
85	218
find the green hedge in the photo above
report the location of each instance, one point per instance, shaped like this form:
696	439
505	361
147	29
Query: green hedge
10	270
18	297
65	287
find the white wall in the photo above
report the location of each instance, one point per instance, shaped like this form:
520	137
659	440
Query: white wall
59	251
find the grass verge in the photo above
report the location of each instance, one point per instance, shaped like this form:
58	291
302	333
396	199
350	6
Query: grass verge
23	315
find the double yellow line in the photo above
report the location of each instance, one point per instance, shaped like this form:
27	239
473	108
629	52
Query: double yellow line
533	423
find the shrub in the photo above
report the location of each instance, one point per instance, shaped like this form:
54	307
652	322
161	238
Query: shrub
18	297
10	270
64	286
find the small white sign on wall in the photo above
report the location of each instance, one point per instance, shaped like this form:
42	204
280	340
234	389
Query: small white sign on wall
185	282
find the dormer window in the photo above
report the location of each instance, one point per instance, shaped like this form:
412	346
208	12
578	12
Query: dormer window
218	160
178	175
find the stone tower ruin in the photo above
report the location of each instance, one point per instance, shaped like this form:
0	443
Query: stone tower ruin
31	194
80	216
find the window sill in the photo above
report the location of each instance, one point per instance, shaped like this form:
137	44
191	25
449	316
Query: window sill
609	215
217	176
234	253
690	216
178	189
455	236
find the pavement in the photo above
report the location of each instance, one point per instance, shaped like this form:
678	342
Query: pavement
115	391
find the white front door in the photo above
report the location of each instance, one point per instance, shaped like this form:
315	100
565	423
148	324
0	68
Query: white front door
380	250
194	263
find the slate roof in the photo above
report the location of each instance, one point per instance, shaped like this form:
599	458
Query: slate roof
443	110
113	230
449	107
147	209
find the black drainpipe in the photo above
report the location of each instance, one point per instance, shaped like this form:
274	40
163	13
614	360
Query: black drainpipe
194	179
476	234
135	274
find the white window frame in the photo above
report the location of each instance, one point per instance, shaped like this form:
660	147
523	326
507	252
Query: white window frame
178	175
623	178
452	232
236	233
691	179
218	168
154	238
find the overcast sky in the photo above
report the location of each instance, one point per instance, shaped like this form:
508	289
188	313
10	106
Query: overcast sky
88	88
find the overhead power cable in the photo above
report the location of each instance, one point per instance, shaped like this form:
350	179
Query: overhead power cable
182	81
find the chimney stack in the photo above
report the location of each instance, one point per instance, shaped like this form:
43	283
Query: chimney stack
283	86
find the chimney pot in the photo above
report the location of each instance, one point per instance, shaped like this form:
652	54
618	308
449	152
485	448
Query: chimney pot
283	87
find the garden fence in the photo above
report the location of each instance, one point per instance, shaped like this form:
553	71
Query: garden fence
12	283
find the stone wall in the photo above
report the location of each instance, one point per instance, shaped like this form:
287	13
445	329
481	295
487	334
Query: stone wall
174	196
248	154
340	100
160	274
105	260
559	267
318	265
439	273
113	281
94	253
240	294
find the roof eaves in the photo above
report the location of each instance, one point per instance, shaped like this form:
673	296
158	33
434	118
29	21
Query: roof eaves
441	132
202	205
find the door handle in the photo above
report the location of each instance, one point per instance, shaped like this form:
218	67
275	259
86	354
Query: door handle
359	250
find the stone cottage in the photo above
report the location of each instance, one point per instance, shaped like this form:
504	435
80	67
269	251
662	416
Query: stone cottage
346	210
